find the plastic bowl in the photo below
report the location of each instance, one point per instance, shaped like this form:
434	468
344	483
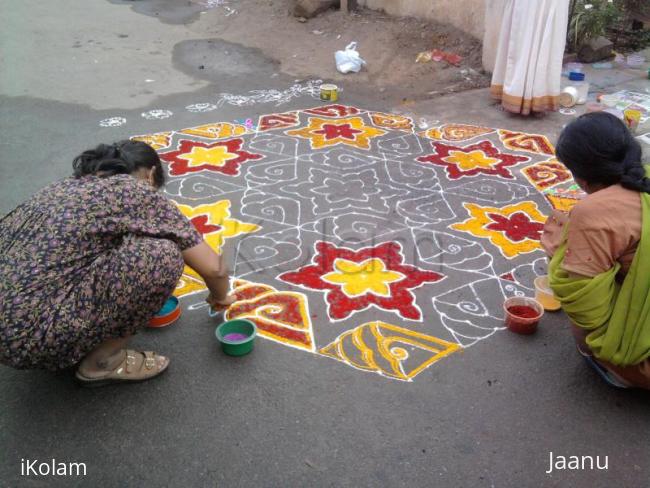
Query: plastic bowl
518	323
228	332
167	315
544	295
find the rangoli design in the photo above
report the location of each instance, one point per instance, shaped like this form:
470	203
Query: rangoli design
281	316
355	236
481	158
519	141
278	121
392	121
221	157
351	131
457	132
514	229
547	174
158	141
388	350
356	280
216	131
214	222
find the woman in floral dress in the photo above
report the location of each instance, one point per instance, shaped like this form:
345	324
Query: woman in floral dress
87	261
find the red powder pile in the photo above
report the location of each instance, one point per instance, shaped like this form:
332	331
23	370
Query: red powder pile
523	311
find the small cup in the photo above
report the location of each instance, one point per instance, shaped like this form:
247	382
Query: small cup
544	295
329	92
632	119
519	323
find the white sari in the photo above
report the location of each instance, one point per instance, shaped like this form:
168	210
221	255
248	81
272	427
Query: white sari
530	49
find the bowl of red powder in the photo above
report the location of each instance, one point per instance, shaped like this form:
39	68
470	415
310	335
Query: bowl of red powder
522	314
236	336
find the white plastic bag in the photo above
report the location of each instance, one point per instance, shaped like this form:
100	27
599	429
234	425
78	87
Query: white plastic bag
349	60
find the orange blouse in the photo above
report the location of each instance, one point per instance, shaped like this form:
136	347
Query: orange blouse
604	228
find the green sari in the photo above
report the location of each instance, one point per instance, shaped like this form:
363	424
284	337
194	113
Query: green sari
618	316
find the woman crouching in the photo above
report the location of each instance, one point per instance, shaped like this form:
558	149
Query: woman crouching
89	260
601	250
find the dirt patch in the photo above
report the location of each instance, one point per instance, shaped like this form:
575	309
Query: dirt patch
216	59
388	44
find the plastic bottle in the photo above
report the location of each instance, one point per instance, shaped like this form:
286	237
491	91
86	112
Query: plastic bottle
577	80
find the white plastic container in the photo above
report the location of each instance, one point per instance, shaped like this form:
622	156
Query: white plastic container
577	80
569	96
583	91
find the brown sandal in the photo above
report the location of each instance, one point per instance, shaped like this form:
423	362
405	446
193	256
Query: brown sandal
152	365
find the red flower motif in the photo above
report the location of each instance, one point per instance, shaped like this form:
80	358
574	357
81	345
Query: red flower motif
480	158
341	305
517	227
331	131
222	157
334	110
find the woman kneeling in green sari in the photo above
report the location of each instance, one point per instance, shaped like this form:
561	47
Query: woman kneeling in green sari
600	266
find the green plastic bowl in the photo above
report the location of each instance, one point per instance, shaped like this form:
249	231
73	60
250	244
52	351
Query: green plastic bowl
236	346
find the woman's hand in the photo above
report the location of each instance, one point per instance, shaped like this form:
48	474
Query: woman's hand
220	305
212	268
554	232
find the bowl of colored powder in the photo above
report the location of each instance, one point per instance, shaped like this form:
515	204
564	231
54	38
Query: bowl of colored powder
544	295
522	314
167	315
236	336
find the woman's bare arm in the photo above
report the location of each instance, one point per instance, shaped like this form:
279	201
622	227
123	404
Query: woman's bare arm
210	266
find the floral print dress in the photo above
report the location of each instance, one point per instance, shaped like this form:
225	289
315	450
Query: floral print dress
83	261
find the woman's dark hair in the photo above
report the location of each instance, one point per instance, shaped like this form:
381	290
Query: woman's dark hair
123	157
599	149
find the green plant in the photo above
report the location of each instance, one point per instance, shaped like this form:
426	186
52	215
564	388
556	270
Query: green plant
591	18
638	6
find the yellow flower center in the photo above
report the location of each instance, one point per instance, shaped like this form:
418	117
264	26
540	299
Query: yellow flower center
370	276
470	160
214	156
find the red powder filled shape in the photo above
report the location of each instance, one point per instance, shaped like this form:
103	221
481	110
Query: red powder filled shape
523	311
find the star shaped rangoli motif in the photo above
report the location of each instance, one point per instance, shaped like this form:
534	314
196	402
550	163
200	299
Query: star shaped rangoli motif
222	157
214	222
356	280
480	158
350	131
514	229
